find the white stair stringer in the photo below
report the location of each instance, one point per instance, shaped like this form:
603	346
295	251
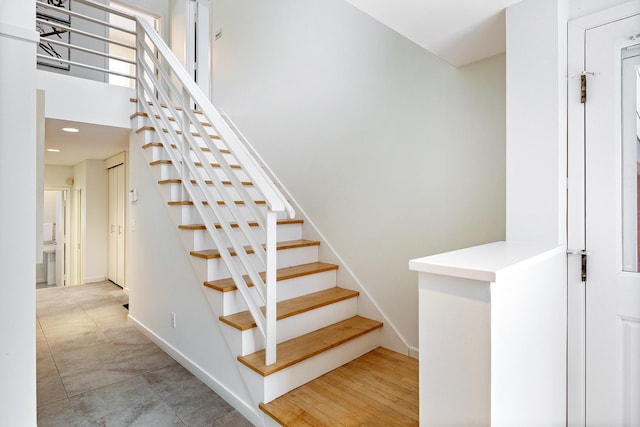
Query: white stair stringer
266	389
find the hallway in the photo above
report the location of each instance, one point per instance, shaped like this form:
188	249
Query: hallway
93	368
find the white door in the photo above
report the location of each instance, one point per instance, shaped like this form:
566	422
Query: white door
198	43
612	287
117	200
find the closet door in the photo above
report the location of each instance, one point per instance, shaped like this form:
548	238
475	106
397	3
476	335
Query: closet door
121	195
117	235
112	273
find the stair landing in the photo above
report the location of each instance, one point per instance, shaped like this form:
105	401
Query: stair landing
379	388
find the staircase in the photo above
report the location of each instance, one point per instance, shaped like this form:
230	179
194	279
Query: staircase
318	326
279	306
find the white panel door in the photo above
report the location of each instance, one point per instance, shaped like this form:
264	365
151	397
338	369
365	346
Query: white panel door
612	288
117	200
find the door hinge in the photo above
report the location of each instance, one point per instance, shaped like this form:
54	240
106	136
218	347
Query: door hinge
583	262
583	88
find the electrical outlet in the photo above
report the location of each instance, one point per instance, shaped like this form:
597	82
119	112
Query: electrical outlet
172	319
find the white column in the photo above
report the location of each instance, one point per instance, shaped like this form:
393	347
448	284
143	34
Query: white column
17	213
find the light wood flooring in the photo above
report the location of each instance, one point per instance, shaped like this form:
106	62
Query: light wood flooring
377	389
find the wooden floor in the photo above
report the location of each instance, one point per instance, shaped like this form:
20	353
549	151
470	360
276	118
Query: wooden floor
377	389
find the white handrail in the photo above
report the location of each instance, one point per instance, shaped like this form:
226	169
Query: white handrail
274	198
165	89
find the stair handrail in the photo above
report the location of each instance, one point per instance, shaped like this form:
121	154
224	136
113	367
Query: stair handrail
275	199
155	61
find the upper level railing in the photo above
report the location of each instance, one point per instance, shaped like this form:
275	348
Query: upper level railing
86	42
166	94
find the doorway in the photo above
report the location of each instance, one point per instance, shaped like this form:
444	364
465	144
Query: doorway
604	295
53	271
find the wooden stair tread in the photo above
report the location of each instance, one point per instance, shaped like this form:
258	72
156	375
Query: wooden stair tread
198	164
235	224
206	149
291	307
220	202
227	285
311	344
178	132
207	181
290	244
379	388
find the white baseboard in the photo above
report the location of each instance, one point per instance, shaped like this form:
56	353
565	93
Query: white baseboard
414	352
239	405
94	279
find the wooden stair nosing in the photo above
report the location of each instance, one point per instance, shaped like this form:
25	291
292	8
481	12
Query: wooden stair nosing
289	244
220	202
198	164
312	344
243	321
207	181
206	149
177	131
170	118
194	227
228	285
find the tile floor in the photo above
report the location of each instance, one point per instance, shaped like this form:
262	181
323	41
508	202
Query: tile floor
95	369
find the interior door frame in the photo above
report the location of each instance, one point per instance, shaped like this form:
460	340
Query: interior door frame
576	224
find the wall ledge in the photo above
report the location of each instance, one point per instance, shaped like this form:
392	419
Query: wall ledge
18	33
489	263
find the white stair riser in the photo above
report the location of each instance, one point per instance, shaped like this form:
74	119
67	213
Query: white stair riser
160	153
168	171
200	239
284	232
251	340
174	191
214	269
188	214
266	389
226	303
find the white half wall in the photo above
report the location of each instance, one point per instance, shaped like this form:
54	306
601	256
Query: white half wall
392	153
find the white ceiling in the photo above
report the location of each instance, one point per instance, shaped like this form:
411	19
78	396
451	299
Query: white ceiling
92	142
458	31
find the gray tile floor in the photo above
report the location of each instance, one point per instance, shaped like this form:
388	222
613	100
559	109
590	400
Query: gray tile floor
95	369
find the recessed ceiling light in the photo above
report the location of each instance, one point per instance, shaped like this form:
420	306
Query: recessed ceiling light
72	130
53	150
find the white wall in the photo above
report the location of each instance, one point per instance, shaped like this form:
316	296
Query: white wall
159	8
66	99
49	210
393	153
56	175
17	225
536	121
